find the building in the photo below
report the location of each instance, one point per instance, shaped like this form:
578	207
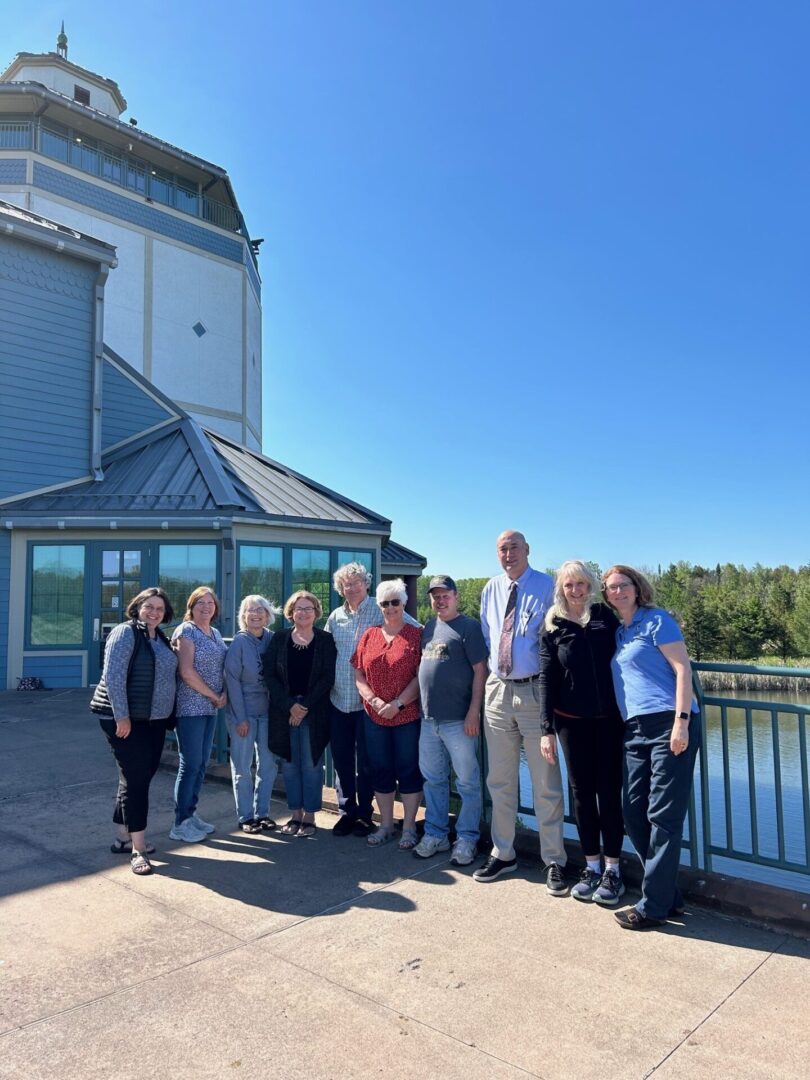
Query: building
184	307
108	482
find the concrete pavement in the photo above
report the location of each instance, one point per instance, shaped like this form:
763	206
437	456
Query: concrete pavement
268	957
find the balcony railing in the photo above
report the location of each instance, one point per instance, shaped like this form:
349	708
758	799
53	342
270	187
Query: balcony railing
133	174
751	799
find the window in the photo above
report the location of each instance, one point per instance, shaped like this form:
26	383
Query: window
182	569
81	95
53	143
187	200
15	135
365	558
310	571
261	570
160	188
57	594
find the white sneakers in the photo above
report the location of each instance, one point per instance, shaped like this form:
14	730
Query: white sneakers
202	826
464	852
188	832
431	845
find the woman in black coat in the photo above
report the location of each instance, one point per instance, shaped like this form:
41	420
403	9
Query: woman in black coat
299	669
578	705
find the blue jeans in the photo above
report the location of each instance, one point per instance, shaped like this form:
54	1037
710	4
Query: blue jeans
347	739
252	801
657	784
195	737
394	756
441	745
303	778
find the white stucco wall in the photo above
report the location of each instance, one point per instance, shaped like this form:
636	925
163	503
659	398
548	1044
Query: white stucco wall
188	289
63	82
254	361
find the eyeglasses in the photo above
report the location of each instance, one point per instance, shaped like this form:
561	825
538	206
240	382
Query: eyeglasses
622	585
256	611
390	603
303	610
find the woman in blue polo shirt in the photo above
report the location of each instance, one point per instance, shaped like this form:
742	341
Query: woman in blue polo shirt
652	677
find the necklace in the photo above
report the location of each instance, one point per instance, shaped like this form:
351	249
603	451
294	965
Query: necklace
301	645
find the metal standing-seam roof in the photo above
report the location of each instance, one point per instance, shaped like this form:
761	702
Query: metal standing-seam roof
184	470
394	555
280	492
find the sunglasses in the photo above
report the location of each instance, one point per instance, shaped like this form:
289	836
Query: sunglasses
390	603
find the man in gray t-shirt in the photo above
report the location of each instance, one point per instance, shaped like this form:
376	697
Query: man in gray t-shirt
451	686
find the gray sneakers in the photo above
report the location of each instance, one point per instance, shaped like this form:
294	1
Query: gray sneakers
611	888
431	845
200	825
587	885
188	832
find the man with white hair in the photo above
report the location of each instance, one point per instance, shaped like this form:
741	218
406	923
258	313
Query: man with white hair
347	624
513	608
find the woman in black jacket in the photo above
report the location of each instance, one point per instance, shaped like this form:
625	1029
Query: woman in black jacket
578	704
135	703
299	668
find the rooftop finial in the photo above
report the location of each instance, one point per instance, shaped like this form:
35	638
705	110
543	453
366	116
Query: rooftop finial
61	42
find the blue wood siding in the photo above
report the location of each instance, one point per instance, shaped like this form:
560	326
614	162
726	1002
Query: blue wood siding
5	580
126	408
55	671
46	311
133	210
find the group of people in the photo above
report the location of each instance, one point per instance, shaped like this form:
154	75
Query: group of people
593	666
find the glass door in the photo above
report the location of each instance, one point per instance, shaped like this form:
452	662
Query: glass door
117	579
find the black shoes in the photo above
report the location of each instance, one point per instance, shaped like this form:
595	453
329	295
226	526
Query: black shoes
344	826
493	868
634	920
555	880
363	827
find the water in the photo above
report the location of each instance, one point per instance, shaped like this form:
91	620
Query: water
733	822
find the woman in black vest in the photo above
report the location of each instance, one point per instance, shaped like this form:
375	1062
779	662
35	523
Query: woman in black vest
135	700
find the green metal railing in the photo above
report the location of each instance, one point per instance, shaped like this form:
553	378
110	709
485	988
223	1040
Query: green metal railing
753	775
751	798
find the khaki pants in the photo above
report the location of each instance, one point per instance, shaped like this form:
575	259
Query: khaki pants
512	716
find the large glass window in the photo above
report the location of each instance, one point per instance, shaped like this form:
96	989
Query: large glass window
183	568
365	558
310	571
261	570
57	594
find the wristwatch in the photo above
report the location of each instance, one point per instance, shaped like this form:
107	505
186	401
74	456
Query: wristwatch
399	704
682	716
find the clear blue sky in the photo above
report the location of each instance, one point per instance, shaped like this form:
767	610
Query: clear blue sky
532	265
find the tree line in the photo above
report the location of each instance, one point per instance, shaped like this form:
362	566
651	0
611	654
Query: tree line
727	613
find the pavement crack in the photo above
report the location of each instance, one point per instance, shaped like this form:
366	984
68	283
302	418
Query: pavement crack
715	1010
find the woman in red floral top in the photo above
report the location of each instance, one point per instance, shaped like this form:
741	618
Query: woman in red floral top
387	663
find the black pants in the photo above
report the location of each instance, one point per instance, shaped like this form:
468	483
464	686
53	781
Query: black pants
137	758
594	749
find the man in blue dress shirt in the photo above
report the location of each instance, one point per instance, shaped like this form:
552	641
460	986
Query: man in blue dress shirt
513	606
